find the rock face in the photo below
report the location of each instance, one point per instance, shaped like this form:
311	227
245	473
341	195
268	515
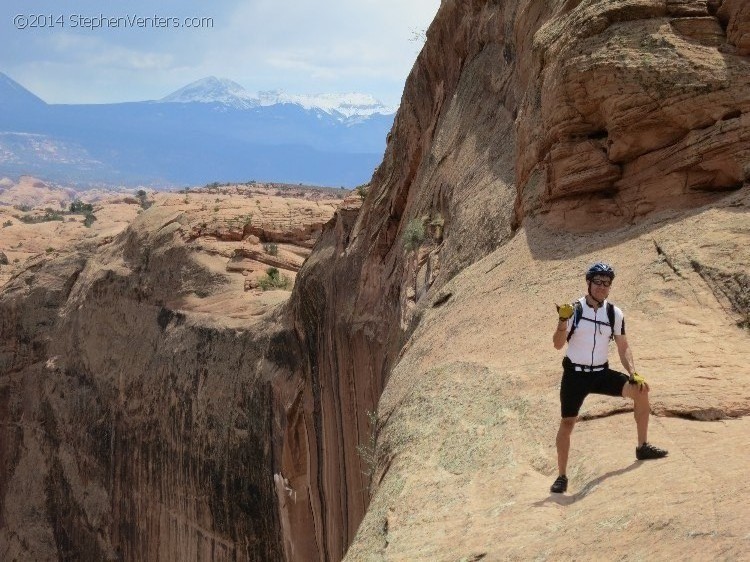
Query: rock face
134	396
520	122
403	403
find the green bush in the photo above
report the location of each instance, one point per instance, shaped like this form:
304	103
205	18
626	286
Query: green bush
89	220
273	279
79	206
361	191
143	199
271	249
7	223
413	235
49	215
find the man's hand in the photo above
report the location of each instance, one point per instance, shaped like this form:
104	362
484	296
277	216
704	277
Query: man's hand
564	311
638	380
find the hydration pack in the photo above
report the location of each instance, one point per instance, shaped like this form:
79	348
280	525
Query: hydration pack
578	314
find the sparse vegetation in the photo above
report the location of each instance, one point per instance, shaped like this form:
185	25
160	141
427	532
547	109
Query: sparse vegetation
418	36
7	223
49	250
413	234
368	451
271	248
362	191
89	220
143	199
273	279
79	207
49	215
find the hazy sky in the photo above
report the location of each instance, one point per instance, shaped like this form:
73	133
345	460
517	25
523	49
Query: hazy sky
300	46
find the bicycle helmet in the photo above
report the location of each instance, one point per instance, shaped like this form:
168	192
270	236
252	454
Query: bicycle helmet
600	268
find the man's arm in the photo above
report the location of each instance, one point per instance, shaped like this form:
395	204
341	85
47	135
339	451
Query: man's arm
626	354
561	334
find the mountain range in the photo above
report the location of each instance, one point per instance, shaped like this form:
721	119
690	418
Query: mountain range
210	130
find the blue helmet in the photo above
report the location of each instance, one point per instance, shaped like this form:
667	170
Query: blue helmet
600	268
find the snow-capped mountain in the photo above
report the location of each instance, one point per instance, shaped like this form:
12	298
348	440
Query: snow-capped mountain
213	90
232	94
349	105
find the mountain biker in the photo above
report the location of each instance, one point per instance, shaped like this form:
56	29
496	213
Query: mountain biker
587	325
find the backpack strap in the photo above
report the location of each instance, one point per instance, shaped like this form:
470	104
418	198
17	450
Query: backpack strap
577	313
611	318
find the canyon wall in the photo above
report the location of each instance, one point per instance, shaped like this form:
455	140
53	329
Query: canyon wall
520	120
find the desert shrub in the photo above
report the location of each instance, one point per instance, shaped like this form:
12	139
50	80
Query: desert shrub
271	248
361	191
79	206
49	215
413	235
143	199
7	223
89	220
273	279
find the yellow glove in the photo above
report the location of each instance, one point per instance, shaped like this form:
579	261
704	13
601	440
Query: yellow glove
635	378
565	311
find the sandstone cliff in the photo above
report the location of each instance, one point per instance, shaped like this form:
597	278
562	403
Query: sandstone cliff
134	398
534	137
402	404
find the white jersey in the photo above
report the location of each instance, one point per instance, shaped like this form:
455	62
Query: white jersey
589	344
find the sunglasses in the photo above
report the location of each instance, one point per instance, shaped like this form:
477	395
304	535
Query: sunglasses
601	282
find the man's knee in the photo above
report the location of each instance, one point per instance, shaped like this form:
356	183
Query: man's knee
634	392
567	424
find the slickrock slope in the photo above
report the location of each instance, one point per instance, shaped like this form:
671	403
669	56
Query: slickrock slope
134	360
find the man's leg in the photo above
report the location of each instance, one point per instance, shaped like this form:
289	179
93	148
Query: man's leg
560	484
642	409
563	443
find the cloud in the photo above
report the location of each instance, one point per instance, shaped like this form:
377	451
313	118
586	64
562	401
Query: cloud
303	46
94	53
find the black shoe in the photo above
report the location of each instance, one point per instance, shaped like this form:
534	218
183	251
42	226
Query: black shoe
648	451
560	485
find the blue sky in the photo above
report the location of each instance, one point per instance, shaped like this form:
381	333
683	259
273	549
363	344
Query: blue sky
299	46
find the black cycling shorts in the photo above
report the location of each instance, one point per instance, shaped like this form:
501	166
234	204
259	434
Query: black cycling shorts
576	385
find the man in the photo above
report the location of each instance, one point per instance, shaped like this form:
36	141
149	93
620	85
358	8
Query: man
587	325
